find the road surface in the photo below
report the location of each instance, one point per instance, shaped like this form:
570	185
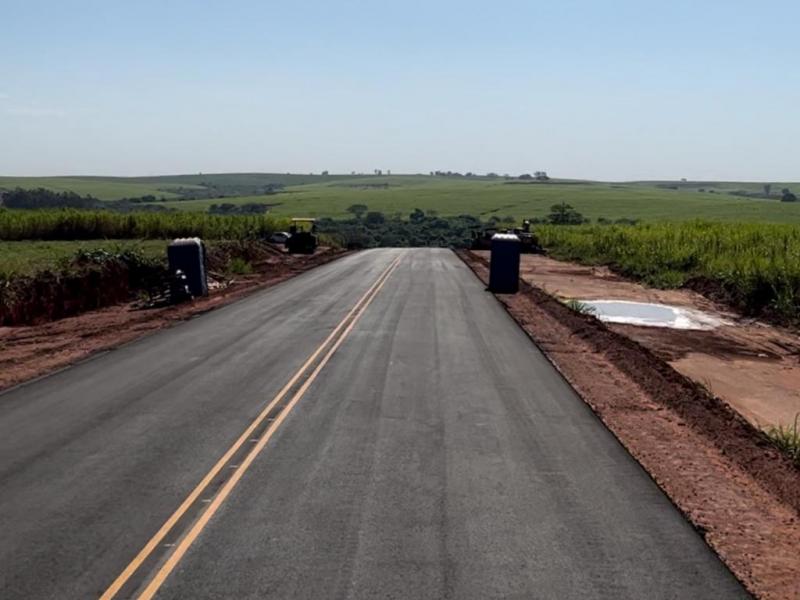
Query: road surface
398	437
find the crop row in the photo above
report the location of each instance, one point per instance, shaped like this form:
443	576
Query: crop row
90	225
756	267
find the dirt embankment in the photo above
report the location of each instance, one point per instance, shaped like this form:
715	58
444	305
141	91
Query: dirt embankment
49	296
33	350
740	493
98	278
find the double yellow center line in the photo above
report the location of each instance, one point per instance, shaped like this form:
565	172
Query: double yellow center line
268	414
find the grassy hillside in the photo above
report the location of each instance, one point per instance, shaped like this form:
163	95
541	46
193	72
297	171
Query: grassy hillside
103	188
724	186
485	198
166	186
240	179
330	195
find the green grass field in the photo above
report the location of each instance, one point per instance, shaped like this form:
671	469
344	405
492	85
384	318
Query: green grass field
28	257
486	198
329	196
102	188
166	186
724	186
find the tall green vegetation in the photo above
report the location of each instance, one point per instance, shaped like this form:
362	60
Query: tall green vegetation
68	224
417	229
756	267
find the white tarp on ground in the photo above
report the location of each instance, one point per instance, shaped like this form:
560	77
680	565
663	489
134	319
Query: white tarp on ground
652	315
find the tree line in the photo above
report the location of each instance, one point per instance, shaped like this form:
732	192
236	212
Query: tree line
368	228
42	198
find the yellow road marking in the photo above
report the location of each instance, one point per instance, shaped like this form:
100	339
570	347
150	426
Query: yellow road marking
201	523
153	543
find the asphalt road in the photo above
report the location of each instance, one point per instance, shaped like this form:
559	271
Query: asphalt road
436	454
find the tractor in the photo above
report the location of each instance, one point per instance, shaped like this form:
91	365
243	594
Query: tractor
483	240
529	243
301	236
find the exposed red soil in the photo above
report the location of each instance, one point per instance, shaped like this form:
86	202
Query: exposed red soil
30	351
50	296
753	366
56	294
740	493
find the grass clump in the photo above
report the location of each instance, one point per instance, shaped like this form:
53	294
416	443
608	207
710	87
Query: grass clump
787	439
580	307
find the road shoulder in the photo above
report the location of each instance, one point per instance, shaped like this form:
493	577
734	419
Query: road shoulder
34	351
741	495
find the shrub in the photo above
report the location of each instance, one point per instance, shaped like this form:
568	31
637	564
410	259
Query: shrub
787	439
239	266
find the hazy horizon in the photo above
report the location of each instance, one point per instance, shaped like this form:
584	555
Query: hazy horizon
478	174
623	91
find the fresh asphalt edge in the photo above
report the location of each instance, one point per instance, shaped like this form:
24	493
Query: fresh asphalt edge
100	352
701	531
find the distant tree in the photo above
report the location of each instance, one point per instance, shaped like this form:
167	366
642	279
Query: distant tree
357	209
324	173
374	218
493	175
787	195
767	189
541	176
564	214
390	240
526	176
417	216
226	208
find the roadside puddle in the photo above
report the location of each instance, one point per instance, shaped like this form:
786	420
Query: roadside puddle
651	315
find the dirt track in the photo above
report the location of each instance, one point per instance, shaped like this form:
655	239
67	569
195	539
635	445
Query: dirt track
753	366
737	490
27	352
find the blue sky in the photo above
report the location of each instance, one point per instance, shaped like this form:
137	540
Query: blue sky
605	90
